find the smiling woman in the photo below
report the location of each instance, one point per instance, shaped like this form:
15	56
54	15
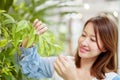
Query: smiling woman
99	42
94	59
88	41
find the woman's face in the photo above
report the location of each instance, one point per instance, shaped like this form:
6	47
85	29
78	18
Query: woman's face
88	47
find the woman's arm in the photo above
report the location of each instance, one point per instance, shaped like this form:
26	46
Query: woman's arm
32	64
35	66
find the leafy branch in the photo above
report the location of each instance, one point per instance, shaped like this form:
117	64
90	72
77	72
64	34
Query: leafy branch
12	34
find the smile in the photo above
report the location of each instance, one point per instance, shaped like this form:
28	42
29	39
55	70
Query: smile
83	50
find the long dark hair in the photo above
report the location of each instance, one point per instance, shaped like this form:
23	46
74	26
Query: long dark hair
106	61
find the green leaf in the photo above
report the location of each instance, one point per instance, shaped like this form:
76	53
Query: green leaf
3	42
9	17
40	46
12	51
8	21
5	32
2	3
31	38
8	4
20	75
2	11
5	4
22	25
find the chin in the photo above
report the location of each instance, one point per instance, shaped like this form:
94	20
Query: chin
83	55
86	56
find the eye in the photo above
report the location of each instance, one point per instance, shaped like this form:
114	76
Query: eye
83	35
93	40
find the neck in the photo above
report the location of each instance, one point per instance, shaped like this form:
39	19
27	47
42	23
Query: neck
86	64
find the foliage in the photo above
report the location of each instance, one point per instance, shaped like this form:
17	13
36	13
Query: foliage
5	4
15	26
11	36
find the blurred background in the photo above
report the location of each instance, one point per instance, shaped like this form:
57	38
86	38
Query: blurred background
64	18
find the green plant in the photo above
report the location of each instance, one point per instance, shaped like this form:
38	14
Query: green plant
12	29
11	36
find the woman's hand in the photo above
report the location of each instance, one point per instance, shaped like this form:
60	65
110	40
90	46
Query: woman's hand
66	68
40	29
39	26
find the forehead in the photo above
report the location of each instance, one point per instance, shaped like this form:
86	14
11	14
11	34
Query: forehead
89	29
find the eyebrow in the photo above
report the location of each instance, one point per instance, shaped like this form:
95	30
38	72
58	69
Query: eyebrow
90	35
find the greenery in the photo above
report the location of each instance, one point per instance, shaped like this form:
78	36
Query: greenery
13	24
11	36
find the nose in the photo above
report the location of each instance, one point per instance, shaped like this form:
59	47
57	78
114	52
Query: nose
85	42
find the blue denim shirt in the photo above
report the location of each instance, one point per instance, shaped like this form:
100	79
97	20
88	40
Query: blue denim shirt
35	66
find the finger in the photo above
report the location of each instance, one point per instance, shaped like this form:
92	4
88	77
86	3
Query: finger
57	69
60	65
63	60
41	27
42	30
38	24
35	22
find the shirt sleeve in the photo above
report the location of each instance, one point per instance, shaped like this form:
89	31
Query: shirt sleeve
35	66
116	77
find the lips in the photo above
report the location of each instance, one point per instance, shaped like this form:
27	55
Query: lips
83	50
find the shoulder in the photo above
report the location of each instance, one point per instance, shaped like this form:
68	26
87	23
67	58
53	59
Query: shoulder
117	77
112	76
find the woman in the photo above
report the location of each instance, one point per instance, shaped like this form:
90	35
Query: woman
96	56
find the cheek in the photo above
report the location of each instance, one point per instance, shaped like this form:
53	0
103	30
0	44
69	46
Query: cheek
95	49
80	40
